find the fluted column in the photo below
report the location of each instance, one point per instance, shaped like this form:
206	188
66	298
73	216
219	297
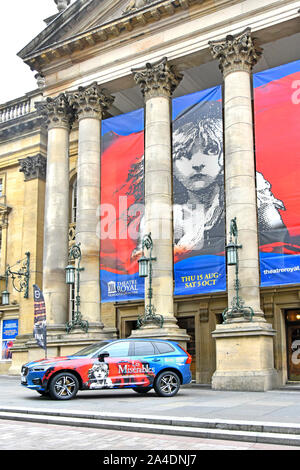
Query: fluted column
59	116
158	82
237	55
90	103
244	349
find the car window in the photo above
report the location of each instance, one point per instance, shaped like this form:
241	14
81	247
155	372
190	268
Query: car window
93	348
143	348
119	349
164	348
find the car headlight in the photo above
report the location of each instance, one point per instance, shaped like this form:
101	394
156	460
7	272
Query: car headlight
40	368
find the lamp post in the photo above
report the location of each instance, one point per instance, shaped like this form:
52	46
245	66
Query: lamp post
71	270
20	278
237	308
145	270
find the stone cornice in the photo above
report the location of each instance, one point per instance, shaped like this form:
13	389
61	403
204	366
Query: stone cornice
126	23
21	125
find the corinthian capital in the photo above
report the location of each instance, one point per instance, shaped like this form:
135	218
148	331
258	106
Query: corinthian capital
90	101
157	79
236	52
57	112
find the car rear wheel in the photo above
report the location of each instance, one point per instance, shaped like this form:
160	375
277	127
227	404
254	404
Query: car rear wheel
63	386
167	384
142	389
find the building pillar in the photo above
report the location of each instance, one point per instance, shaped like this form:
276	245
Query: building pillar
90	103
59	117
244	348
158	81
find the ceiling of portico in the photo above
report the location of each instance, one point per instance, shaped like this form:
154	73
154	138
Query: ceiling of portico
207	75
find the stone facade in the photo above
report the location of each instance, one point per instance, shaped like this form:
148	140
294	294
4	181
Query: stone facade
99	59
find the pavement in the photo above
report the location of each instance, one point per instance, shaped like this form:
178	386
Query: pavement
271	417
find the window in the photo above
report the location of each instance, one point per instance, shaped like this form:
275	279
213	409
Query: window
143	348
120	349
74	201
1	187
9	330
164	348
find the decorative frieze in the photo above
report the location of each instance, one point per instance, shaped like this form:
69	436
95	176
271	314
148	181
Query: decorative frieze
91	101
157	79
236	52
33	167
57	112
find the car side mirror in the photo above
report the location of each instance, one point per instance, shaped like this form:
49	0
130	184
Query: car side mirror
102	356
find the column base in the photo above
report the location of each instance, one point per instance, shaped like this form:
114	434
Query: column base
245	360
253	381
170	331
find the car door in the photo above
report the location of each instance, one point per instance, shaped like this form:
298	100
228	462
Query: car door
147	362
119	364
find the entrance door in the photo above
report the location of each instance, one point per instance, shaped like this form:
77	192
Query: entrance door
188	324
293	345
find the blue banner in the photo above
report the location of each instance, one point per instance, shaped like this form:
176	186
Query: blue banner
10	329
198	193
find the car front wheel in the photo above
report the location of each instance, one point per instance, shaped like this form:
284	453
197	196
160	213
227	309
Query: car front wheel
63	386
167	384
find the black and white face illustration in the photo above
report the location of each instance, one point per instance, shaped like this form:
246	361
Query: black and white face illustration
99	372
198	153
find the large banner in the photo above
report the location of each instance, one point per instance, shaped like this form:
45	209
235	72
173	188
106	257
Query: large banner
277	143
198	191
122	205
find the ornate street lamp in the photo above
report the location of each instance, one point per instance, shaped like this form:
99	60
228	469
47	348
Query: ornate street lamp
145	270
20	278
71	269
237	308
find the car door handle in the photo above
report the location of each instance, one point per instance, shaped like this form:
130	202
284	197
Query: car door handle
156	360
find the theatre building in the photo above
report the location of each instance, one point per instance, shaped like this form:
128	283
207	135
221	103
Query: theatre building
158	160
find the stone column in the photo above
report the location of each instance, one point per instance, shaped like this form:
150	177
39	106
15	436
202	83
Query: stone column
59	117
244	349
90	103
158	81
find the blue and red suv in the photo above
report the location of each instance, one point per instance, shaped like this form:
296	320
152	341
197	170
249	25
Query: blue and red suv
139	364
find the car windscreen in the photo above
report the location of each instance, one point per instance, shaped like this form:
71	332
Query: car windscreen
93	348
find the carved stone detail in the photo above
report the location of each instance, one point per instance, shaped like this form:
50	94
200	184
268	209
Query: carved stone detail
62	4
91	101
4	212
134	5
236	53
157	79
57	112
33	167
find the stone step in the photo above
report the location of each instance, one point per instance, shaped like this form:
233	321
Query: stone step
247	431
